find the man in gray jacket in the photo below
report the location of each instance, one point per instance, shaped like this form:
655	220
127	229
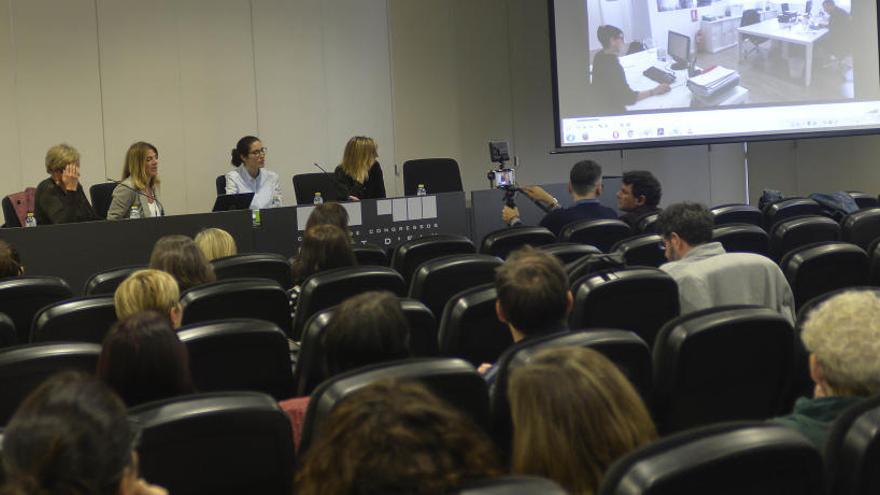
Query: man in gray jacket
707	275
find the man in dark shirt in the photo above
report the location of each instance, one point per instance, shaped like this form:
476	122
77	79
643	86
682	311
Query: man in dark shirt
839	29
60	198
638	196
585	186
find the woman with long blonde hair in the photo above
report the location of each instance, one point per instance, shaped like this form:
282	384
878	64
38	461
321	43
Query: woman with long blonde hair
139	189
359	176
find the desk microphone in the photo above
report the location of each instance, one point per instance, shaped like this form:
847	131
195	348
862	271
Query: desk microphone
118	183
320	168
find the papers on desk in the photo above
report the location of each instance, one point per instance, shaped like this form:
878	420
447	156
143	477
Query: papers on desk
713	82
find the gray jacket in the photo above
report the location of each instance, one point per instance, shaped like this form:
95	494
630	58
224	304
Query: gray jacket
124	197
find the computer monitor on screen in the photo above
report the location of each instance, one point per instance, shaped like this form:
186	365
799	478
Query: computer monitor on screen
679	48
784	8
809	9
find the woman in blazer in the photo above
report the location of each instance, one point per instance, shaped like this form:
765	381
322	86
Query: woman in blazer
140	184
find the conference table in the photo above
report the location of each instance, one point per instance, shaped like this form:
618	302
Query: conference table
788	34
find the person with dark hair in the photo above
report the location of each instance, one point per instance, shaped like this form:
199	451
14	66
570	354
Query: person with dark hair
328	214
179	256
584	185
396	438
611	91
249	176
323	247
60	198
638	196
71	436
707	275
142	359
10	261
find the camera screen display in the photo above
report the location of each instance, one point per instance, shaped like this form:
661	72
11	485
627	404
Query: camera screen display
505	177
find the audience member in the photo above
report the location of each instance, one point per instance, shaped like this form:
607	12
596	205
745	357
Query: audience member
60	198
359	176
215	243
328	214
179	256
585	187
324	247
149	290
843	338
250	176
578	399
395	438
10	261
139	189
708	276
143	360
72	436
638	196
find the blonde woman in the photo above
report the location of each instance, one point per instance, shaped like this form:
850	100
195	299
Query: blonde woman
60	198
359	176
139	186
574	414
149	290
216	243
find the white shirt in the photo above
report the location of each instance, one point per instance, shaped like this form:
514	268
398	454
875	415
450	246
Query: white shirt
264	186
154	209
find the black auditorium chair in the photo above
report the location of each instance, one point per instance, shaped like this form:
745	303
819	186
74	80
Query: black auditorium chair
469	327
600	233
795	232
642	250
742	238
329	288
862	227
438	175
568	252
723	459
83	319
7	331
647	223
640	300
822	267
23	368
594	263
737	213
863	199
9	215
874	260
239	354
721	364
409	255
256	265
787	208
220	184
502	242
22	297
101	195
237	298
220	442
625	349
370	254
510	485
437	280
306	185
106	282
852	451
453	380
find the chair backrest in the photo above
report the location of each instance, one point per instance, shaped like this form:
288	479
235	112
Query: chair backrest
699	371
511	485
469	327
7	331
737	213
24	368
602	233
220	184
795	232
640	300
239	354
852	451
84	319
306	185
742	238
647	223
438	175
409	255
791	207
749	17
569	252
10	216
874	260
258	298
329	288
822	267
222	442
452	380
437	280
106	282
724	459
101	195
370	254
862	227
255	265
502	242
641	250
22	297
864	200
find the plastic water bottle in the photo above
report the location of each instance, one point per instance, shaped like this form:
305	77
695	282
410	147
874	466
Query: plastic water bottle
421	191
318	199
135	211
276	201
30	220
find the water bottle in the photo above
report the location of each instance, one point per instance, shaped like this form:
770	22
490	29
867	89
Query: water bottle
135	211
421	191
318	199
30	220
276	200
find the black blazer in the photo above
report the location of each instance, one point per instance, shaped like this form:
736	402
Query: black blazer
372	188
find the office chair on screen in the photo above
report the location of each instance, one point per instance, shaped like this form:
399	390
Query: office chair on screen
750	17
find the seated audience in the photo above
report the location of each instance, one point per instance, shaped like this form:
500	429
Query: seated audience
707	275
843	337
215	243
60	198
328	214
179	256
143	360
574	413
139	189
585	187
72	436
359	176
10	261
324	247
638	196
395	438
149	290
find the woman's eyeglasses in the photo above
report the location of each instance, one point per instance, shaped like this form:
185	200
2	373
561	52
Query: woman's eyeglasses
261	151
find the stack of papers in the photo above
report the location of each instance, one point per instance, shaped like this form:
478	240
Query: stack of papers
713	82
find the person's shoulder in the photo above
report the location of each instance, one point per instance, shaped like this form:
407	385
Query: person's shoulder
45	185
271	174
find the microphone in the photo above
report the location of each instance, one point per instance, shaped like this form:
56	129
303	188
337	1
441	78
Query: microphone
320	168
118	183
